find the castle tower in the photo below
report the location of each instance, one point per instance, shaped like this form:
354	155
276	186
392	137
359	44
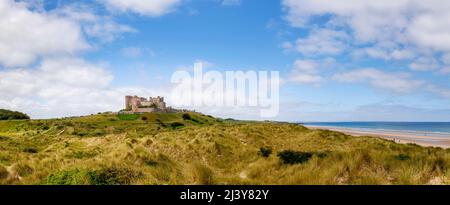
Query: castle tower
128	102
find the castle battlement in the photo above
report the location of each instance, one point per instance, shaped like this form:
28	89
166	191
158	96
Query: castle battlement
141	104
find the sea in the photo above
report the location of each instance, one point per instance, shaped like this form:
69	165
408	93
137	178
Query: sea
435	129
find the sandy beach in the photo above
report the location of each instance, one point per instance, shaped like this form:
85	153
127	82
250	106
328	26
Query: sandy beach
423	140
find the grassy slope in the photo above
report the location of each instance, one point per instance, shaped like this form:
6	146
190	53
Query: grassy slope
103	149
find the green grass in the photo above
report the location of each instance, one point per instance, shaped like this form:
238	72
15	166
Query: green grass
175	148
128	116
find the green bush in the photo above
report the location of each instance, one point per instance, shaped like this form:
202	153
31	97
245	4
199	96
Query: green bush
12	115
112	176
176	125
67	177
186	116
402	157
151	163
265	151
128	116
321	154
31	150
294	157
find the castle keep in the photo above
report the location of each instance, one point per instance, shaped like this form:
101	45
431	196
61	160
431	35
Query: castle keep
141	105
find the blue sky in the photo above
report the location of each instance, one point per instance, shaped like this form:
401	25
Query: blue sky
339	61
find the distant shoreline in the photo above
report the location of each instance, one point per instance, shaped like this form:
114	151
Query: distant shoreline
399	137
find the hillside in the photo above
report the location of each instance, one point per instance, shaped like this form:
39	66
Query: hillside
198	149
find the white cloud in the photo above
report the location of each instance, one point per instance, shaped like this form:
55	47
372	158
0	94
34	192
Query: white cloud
322	42
424	64
63	87
385	53
415	32
102	28
306	72
143	7
422	23
53	75
396	82
305	66
26	35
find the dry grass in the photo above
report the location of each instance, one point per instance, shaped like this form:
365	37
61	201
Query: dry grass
102	149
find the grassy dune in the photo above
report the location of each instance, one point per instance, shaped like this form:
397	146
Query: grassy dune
199	149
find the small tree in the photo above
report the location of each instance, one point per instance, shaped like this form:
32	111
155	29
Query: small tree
265	151
186	116
294	157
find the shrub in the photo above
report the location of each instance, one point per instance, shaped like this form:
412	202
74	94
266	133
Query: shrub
144	118
265	151
67	177
12	115
186	116
176	125
294	157
31	150
151	163
321	155
402	157
112	176
128	116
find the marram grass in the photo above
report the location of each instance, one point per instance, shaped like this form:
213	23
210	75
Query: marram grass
199	149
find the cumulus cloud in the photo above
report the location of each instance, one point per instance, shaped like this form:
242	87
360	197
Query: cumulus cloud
26	35
102	28
40	72
305	72
308	71
423	24
424	64
152	8
414	33
395	82
385	53
63	87
322	42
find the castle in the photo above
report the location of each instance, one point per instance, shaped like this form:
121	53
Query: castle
137	104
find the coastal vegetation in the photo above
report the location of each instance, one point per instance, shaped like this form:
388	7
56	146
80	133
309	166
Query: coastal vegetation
192	148
12	115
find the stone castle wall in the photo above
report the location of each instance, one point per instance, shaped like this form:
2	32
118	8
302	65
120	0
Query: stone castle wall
140	104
